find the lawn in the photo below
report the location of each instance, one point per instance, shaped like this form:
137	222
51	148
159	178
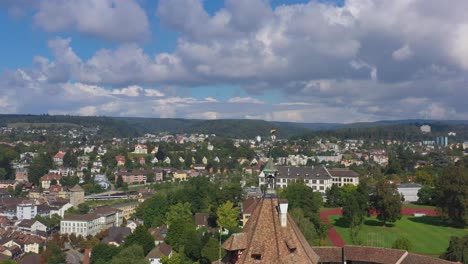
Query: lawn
427	234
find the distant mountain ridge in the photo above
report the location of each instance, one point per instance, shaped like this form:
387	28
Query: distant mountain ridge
234	128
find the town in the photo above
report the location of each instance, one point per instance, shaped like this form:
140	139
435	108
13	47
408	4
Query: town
71	195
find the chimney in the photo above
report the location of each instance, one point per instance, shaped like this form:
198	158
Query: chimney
283	212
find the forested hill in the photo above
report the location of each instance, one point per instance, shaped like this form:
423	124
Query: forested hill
129	126
134	126
395	130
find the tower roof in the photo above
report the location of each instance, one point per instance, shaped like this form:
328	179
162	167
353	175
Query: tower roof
270	166
264	237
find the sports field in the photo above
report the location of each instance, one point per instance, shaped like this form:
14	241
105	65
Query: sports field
427	234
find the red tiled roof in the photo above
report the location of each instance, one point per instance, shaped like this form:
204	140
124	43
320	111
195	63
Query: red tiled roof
60	155
51	176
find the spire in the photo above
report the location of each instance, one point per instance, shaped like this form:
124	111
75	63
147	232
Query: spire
270	171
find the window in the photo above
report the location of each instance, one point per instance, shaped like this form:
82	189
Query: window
321	181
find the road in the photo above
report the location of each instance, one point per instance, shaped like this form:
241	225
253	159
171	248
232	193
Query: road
74	257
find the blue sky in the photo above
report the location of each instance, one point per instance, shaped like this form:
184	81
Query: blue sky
296	60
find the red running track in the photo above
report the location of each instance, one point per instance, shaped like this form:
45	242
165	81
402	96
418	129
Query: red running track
336	239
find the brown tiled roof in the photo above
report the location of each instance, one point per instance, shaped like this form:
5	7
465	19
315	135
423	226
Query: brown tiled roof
420	259
27	223
201	219
338	172
236	242
51	176
249	205
159	234
329	254
161	250
265	236
85	217
375	255
30	259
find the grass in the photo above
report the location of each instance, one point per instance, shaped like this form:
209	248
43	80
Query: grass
108	202
428	235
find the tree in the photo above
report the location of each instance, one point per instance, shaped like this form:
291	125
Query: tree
176	258
457	250
40	166
228	215
179	213
305	225
70	159
427	195
133	254
211	250
142	237
153	210
333	195
53	254
119	183
402	243
301	196
387	201
103	253
453	190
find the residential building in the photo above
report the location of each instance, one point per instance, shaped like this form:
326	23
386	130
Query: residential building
117	235
108	217
318	178
127	209
162	250
425	129
342	177
4	184
32	226
58	158
180	175
140	149
47	179
120	160
84	225
134	176
26	210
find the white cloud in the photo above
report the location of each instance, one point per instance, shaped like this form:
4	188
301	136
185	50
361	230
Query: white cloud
402	53
248	100
120	20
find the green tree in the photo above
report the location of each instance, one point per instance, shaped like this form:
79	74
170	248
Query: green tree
40	166
211	250
70	159
133	254
119	183
228	215
387	201
180	212
301	196
457	250
427	195
402	243
103	253
453	192
305	225
142	237
333	195
153	210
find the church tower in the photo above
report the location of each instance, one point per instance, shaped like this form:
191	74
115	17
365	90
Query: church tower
270	172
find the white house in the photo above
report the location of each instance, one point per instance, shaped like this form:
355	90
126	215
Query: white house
409	191
31	226
26	211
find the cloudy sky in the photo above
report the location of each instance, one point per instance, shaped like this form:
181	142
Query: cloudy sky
284	60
